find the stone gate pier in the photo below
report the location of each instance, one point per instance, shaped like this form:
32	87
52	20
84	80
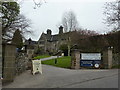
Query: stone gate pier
8	62
75	59
107	58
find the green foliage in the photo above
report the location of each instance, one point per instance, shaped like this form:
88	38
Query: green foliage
116	66
17	39
42	56
12	20
64	48
113	40
10	10
97	43
39	51
64	62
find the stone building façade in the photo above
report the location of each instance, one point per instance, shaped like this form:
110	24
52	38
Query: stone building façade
50	43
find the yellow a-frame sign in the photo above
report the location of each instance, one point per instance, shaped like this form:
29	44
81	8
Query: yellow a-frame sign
36	66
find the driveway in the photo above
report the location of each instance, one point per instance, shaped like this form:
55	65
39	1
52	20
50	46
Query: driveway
52	57
54	77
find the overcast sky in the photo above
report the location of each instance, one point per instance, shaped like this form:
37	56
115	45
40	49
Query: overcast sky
89	14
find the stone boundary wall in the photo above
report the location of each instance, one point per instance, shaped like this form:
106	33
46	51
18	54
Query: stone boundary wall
0	60
21	63
116	59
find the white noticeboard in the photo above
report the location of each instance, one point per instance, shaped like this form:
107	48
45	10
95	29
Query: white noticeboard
91	56
37	67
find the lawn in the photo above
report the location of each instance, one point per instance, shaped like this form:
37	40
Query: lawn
64	62
42	56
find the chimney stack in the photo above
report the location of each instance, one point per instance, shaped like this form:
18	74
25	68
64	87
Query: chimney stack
49	32
60	29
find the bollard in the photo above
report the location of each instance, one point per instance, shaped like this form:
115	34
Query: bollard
55	61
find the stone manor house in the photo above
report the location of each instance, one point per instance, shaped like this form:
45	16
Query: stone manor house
49	43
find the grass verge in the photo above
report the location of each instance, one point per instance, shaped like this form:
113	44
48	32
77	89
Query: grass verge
64	62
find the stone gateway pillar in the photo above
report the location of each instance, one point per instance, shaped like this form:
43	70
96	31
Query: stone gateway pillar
30	53
107	58
8	69
75	59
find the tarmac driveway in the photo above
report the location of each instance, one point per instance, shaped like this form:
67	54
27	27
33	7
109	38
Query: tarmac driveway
52	57
54	77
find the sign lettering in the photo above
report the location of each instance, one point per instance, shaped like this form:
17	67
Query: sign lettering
90	60
91	56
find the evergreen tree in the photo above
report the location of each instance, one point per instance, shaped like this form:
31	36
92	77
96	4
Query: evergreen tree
17	39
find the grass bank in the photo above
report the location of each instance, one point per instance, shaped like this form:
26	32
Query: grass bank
64	62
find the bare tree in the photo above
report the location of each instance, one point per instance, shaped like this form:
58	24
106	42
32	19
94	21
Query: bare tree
21	23
65	24
112	13
69	21
37	3
12	20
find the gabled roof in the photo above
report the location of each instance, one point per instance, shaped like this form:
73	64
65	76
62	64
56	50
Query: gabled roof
31	42
53	38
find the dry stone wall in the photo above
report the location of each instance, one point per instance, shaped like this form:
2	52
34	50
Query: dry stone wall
116	59
21	62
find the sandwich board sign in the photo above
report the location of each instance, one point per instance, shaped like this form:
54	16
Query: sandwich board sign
36	66
90	60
